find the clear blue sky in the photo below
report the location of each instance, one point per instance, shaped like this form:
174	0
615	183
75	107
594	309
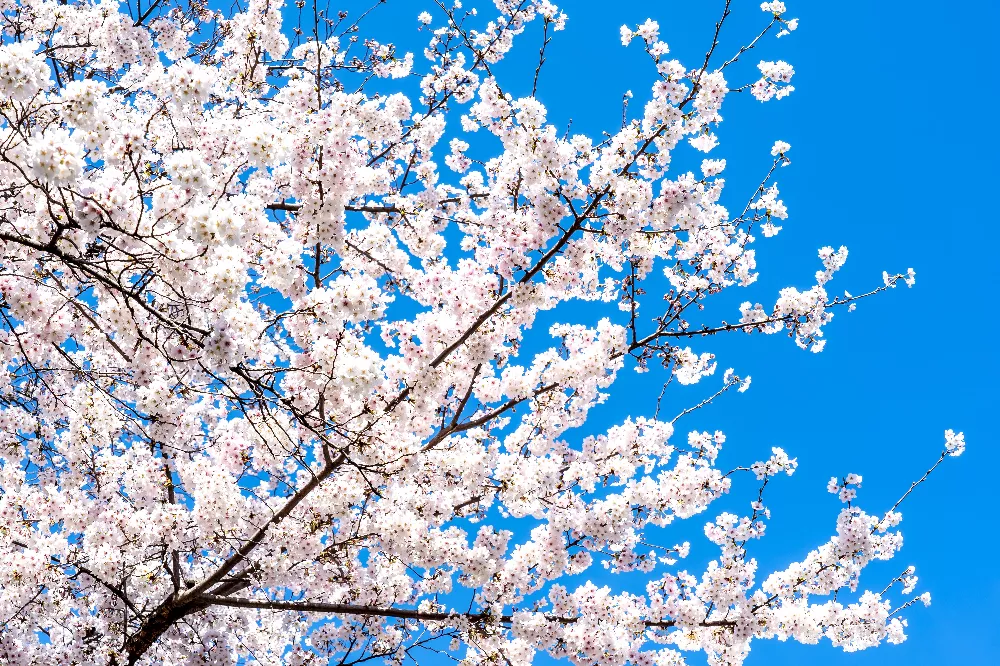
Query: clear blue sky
890	156
893	151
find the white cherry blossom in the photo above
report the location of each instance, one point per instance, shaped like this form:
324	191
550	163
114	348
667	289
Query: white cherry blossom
299	368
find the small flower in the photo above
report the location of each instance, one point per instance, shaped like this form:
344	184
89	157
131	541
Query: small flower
649	31
626	34
954	443
780	148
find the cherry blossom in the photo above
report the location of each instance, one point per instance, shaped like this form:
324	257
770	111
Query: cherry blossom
300	367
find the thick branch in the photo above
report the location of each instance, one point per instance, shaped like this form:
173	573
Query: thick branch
405	614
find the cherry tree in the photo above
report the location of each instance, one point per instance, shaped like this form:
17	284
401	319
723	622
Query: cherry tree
271	390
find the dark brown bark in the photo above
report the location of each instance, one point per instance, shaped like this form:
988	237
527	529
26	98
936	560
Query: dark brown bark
164	617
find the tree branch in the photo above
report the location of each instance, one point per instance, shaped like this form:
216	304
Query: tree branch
407	614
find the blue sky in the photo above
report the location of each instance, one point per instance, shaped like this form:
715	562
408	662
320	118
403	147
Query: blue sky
887	157
893	156
885	150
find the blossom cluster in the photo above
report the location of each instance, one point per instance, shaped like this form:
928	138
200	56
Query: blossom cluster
291	368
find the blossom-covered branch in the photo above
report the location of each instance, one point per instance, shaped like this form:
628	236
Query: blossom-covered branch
275	387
